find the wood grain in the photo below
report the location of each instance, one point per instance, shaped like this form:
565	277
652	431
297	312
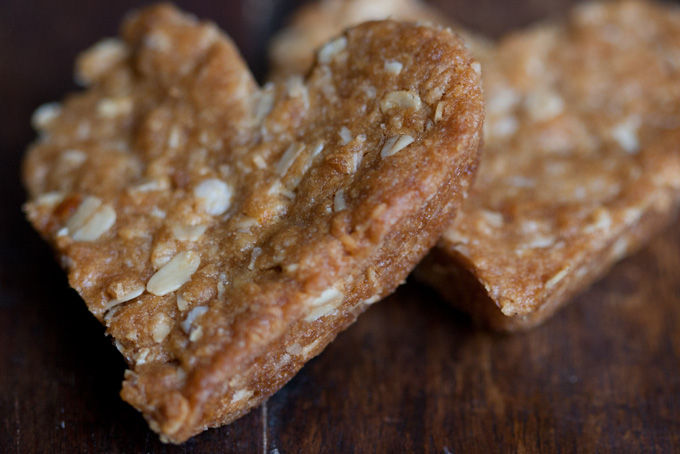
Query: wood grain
411	376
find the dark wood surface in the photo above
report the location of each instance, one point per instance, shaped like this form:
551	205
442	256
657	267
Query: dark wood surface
411	376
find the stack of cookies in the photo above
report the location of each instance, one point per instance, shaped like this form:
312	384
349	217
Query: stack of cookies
226	232
580	162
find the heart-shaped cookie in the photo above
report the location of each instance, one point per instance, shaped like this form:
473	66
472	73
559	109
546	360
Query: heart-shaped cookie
225	233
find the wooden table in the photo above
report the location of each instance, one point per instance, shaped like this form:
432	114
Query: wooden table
411	376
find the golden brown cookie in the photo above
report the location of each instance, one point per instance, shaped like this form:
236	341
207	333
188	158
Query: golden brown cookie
581	163
225	233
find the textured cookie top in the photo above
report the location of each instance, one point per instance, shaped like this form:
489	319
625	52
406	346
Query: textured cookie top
581	140
201	216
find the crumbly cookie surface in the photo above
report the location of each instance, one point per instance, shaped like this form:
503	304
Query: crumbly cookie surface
225	233
581	161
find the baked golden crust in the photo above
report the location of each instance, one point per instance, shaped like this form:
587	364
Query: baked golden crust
225	233
581	162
